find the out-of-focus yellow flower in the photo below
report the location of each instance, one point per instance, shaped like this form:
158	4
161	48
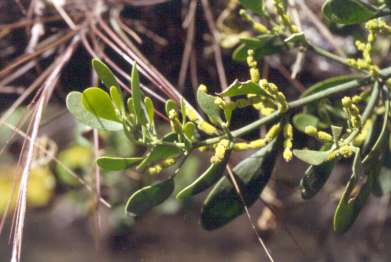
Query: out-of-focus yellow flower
40	187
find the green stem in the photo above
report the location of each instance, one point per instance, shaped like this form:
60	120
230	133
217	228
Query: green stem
323	52
385	73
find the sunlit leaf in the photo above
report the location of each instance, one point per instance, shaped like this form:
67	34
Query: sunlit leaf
208	106
75	106
170	105
116	96
150	196
189	130
104	73
150	108
137	96
98	102
311	157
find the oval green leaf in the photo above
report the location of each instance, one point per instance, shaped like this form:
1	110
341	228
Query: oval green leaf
262	45
314	179
150	196
312	157
300	121
158	153
348	12
98	102
256	6
117	163
252	174
137	96
76	108
208	106
238	88
206	180
104	73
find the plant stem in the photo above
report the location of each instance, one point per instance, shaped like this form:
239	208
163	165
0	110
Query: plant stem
323	52
385	73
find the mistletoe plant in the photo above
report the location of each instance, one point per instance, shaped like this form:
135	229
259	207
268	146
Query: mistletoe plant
357	128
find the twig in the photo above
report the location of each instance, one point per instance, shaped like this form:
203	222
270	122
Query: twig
237	189
190	25
216	46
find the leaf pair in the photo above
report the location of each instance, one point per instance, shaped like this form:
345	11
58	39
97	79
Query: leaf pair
95	107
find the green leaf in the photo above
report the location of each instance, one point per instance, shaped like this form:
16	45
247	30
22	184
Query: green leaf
348	11
170	105
150	108
150	196
352	201
262	45
208	106
117	163
76	108
377	154
207	179
328	83
252	174
98	102
238	88
336	131
137	97
104	73
158	153
256	6
311	157
118	100
189	130
300	121
356	192
316	176
383	182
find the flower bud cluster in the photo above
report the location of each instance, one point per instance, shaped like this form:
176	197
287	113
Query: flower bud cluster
256	25
319	135
156	169
284	17
374	27
278	97
261	142
288	138
352	111
220	151
253	65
